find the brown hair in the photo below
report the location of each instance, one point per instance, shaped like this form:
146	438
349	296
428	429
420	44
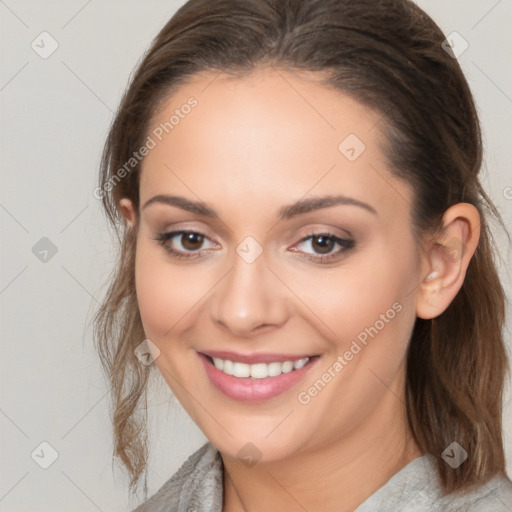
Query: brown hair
388	55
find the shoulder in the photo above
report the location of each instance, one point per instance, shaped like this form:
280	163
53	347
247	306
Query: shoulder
416	488
493	496
197	485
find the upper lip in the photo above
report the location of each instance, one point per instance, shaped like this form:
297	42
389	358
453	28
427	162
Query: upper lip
262	357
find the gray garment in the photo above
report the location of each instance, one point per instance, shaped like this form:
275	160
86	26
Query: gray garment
198	487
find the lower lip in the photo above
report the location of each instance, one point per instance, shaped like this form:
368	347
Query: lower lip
254	390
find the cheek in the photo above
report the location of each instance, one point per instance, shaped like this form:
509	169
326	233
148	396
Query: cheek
353	297
380	312
165	295
370	308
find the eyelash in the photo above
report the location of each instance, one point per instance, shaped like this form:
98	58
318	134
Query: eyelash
346	244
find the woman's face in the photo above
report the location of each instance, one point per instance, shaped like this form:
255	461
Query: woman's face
303	252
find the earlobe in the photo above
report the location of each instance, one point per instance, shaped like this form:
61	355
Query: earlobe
128	211
447	259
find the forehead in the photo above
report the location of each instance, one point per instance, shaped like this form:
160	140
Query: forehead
271	135
268	109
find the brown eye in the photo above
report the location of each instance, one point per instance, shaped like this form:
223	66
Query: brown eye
192	241
324	247
185	244
323	244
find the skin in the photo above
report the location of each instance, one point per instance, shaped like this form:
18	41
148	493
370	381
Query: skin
251	146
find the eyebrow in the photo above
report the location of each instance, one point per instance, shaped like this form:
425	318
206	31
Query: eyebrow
286	212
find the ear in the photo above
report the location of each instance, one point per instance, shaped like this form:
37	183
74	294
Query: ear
128	211
447	258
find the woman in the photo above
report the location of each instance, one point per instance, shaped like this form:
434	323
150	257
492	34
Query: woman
306	259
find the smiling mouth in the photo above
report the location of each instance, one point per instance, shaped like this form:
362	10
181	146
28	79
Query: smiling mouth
258	370
254	378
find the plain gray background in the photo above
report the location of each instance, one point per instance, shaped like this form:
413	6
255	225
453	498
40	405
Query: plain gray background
55	116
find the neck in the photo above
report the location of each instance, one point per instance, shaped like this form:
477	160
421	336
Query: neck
339	475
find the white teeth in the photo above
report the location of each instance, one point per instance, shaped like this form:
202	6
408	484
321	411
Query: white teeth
228	367
274	369
300	363
287	367
259	370
241	370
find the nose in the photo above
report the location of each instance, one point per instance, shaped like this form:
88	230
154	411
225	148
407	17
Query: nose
249	299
